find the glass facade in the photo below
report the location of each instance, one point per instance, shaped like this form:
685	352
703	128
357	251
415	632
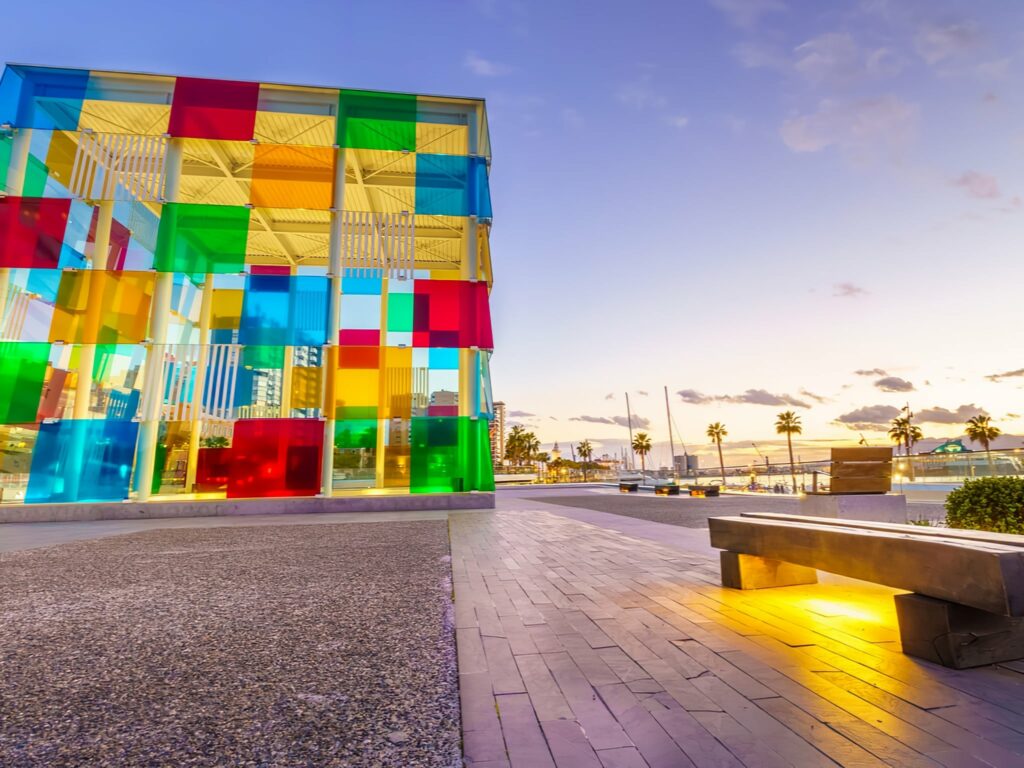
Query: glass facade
240	289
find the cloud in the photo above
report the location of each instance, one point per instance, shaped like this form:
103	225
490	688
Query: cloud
520	414
980	185
870	372
750	397
747	13
937	42
946	416
641	93
869	417
639	422
894	384
855	128
834	57
814	397
1013	415
678	121
1006	375
478	65
848	290
757	55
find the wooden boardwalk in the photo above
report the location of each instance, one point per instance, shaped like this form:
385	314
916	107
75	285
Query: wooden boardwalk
582	647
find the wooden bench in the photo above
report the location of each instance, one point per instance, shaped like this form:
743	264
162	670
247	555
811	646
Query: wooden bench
967	606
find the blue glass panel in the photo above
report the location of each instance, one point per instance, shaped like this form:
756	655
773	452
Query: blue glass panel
38	97
364	286
480	193
442	185
444	358
279	310
82	460
44	282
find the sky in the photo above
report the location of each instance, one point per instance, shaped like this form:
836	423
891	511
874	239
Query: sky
761	205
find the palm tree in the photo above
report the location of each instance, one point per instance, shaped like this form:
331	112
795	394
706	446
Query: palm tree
716	432
981	430
515	448
898	431
585	450
642	445
788	424
914	434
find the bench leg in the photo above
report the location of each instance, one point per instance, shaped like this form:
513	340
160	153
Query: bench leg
955	635
753	572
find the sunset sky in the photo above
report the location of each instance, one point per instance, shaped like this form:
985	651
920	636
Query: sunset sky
761	204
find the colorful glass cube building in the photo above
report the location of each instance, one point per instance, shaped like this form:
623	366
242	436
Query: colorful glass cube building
240	289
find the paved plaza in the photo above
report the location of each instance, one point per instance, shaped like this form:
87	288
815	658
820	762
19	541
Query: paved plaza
584	637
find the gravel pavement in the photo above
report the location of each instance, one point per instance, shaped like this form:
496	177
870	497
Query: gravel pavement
694	513
312	645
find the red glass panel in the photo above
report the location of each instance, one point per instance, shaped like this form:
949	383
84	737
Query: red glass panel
264	269
451	313
32	231
358	357
213	469
120	237
275	457
213	109
359	338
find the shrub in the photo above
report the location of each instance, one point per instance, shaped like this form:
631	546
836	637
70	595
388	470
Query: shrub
989	504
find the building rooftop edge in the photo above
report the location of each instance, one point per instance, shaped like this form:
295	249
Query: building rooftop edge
480	99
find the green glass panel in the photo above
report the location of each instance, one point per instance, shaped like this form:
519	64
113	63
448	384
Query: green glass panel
5	160
265	357
197	239
450	454
400	311
35	178
353	434
373	120
22	371
356	412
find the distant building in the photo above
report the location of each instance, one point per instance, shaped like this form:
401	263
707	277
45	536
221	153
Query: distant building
555	452
498	434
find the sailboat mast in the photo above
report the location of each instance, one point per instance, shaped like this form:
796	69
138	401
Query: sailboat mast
629	420
671	442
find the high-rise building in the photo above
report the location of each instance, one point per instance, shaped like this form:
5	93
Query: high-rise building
273	277
498	434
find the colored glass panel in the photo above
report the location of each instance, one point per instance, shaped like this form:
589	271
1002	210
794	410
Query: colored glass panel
5	160
22	372
451	313
213	467
197	239
95	307
226	310
293	177
284	310
450	455
359	357
373	120
275	457
263	357
400	312
41	97
213	109
32	231
82	460
357	391
306	387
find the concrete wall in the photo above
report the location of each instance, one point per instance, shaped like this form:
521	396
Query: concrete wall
55	513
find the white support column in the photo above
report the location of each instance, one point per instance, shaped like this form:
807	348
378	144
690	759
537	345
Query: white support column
196	409
93	309
383	423
469	376
159	316
329	359
16	168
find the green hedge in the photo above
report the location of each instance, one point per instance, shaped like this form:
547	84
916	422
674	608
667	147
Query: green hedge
989	504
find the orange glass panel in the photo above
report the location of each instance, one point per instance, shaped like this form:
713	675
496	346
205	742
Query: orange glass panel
306	387
95	307
292	177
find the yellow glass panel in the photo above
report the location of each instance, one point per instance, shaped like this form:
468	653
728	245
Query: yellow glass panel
124	117
396	383
60	156
279	236
292	177
441	139
380	180
306	382
397	452
226	309
216	172
96	307
296	115
356	387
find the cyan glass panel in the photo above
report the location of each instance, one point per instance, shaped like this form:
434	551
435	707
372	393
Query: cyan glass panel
284	310
442	185
444	358
38	97
82	460
363	286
